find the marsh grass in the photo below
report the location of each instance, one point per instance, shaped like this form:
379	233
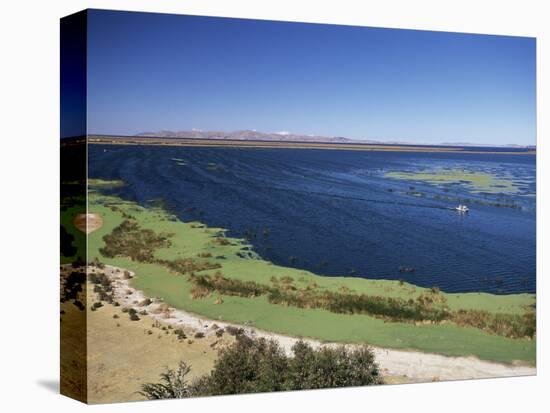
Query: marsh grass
428	307
130	240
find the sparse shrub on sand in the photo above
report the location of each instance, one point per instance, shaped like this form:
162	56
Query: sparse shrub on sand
145	302
234	331
180	334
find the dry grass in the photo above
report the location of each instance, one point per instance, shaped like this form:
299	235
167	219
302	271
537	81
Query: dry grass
123	354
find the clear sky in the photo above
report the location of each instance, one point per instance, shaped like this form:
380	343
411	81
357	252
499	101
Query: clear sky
151	72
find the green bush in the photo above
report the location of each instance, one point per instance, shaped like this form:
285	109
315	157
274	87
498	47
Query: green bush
173	384
260	365
130	240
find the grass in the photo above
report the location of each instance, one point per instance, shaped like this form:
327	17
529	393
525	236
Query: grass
122	354
192	240
76	238
429	307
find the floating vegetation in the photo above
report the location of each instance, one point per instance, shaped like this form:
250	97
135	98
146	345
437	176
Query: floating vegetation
105	184
211	166
476	182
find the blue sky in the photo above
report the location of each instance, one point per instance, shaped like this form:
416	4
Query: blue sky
150	72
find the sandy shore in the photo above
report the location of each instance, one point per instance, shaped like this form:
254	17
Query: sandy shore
410	366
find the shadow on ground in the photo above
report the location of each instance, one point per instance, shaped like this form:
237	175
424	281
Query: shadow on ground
51	385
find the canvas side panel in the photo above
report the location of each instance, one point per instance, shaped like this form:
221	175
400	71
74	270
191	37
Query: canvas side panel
73	381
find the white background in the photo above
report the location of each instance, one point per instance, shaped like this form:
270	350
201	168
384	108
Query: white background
29	226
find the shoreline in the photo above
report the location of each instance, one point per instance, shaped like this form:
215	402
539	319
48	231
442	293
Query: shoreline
411	365
194	241
228	143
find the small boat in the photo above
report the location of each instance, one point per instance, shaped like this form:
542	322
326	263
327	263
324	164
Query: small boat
462	208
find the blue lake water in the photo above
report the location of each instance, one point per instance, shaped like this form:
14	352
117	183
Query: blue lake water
334	212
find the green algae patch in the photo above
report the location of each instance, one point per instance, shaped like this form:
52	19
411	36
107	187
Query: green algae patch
475	182
105	184
194	242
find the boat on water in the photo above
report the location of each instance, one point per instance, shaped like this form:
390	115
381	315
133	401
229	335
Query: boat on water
462	208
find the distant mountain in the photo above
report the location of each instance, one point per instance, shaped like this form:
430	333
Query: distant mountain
284	136
509	145
250	135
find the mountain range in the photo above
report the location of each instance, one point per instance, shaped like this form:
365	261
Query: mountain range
284	136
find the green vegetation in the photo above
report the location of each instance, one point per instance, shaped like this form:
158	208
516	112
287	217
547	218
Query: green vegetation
104	184
430	306
129	240
193	249
475	181
260	365
73	241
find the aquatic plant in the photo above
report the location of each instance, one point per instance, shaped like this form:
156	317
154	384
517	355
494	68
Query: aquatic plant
429	306
475	181
130	240
188	265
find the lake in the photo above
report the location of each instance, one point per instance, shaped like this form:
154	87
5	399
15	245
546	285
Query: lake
351	213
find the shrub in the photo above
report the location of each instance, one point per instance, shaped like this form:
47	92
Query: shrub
173	384
180	334
130	240
234	331
259	365
189	265
508	325
221	241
